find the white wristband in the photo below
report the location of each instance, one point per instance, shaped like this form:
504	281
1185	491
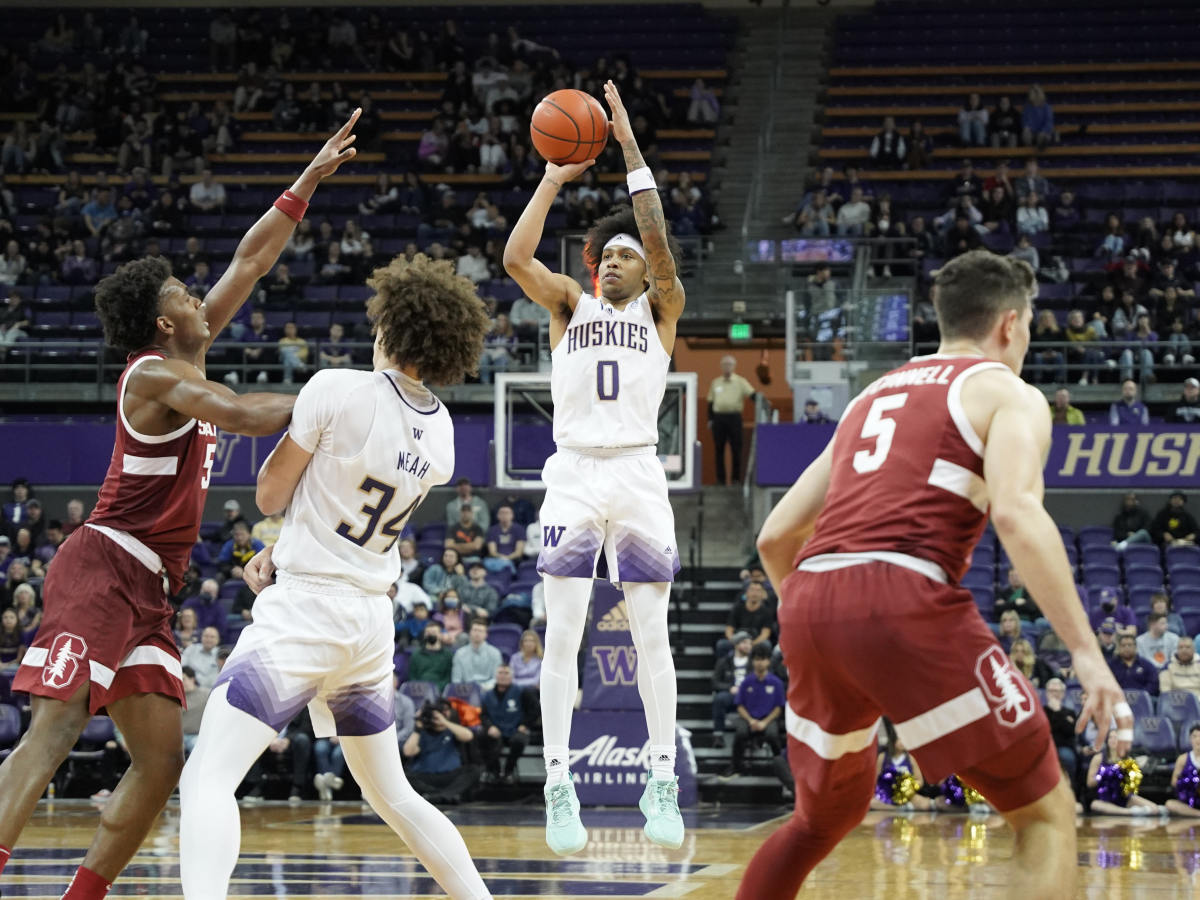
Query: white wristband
1121	709
640	180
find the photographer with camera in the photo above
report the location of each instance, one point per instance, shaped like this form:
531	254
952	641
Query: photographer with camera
431	661
435	767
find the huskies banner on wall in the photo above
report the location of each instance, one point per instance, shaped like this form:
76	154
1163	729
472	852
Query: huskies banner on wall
610	671
1162	457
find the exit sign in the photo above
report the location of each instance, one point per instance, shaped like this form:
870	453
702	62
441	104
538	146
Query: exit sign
740	331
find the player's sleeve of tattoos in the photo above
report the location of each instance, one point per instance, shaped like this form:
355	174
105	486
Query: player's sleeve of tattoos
652	226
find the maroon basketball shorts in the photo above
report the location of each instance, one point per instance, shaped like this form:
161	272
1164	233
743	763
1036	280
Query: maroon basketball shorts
878	639
107	621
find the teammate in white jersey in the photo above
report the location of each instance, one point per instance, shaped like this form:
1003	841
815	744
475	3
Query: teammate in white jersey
362	451
606	510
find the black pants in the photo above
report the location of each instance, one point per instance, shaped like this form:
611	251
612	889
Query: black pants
494	747
451	787
743	736
727	429
299	750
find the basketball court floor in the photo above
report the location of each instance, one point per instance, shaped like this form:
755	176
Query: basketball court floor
342	850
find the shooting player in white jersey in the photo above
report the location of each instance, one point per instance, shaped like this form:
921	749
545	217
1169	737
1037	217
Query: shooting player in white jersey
362	451
606	509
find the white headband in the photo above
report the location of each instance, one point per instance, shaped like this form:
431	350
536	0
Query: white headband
627	240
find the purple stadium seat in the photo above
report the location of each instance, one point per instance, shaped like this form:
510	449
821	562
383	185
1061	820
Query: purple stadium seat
432	531
1182	556
1186	598
1095	535
419	692
1155	735
1094	575
1141	703
985	599
1143	576
505	637
1100	555
467	691
1179	706
1185	577
1141	555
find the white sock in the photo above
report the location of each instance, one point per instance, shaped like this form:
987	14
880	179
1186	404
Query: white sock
662	762
647	605
566	614
557	769
375	763
209	824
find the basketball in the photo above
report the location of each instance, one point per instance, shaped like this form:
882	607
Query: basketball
569	126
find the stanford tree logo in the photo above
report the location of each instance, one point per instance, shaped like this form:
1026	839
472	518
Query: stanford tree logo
63	661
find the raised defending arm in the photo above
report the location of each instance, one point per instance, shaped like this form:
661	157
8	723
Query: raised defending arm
260	248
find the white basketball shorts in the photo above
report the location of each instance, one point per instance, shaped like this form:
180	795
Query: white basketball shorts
320	644
613	501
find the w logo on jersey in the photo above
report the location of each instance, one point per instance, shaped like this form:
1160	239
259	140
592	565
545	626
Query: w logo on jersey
552	534
617	665
63	661
1007	693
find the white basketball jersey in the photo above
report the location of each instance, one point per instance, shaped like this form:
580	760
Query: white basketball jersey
380	441
608	376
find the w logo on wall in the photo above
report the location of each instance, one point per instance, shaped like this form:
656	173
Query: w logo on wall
226	443
616	665
610	671
63	661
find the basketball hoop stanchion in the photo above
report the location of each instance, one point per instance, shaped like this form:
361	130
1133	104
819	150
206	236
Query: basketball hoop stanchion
523	440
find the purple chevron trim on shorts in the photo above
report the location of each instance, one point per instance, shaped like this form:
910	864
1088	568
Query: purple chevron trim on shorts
574	558
361	710
252	690
640	561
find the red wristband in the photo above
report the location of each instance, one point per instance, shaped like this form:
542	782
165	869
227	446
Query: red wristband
291	206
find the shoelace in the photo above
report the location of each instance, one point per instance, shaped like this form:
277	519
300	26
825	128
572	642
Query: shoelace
664	798
560	805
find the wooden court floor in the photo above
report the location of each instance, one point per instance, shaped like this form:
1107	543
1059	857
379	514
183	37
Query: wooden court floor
342	850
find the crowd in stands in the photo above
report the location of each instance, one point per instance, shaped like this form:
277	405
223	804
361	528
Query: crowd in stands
103	102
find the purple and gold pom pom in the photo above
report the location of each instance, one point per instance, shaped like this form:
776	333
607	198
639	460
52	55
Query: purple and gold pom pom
1187	788
1117	782
959	794
1131	776
895	786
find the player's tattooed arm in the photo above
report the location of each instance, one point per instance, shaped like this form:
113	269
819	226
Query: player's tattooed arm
666	291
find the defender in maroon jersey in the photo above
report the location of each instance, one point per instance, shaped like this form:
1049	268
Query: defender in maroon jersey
105	642
867	549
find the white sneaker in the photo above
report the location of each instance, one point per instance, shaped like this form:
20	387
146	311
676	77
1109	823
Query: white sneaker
336	782
321	783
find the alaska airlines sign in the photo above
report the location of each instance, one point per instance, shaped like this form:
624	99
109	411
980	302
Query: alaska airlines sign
1089	456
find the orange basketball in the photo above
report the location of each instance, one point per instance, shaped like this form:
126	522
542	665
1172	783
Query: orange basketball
569	126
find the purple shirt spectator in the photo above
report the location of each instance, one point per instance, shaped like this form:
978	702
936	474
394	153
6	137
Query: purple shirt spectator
1121	617
505	541
760	696
209	613
1139	675
526	674
1128	413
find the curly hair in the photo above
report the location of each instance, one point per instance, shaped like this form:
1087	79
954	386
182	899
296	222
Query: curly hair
621	219
428	317
127	303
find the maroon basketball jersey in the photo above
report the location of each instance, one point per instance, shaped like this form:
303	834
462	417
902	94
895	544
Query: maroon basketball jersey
156	484
907	471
